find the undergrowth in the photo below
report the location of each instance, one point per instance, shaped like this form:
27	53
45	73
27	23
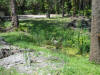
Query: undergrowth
43	32
39	33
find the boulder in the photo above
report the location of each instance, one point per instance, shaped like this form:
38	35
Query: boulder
72	24
85	23
4	52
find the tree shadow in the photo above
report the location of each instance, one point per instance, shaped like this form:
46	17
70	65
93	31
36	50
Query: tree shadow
46	25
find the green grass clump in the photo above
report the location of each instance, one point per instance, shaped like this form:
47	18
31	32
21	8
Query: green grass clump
12	71
80	66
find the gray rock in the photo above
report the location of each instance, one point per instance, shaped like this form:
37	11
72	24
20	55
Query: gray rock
4	52
12	60
2	41
1	55
28	62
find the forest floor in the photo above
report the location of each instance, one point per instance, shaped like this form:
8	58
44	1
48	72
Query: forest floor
31	63
47	60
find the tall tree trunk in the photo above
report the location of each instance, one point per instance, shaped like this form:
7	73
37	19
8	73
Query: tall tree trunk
95	32
14	16
48	13
63	13
73	8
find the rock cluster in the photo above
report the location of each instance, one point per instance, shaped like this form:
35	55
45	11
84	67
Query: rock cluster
7	50
28	61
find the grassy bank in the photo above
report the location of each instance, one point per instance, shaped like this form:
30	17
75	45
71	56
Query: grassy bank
74	64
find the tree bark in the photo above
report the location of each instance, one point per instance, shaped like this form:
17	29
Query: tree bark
48	14
14	16
95	32
63	13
